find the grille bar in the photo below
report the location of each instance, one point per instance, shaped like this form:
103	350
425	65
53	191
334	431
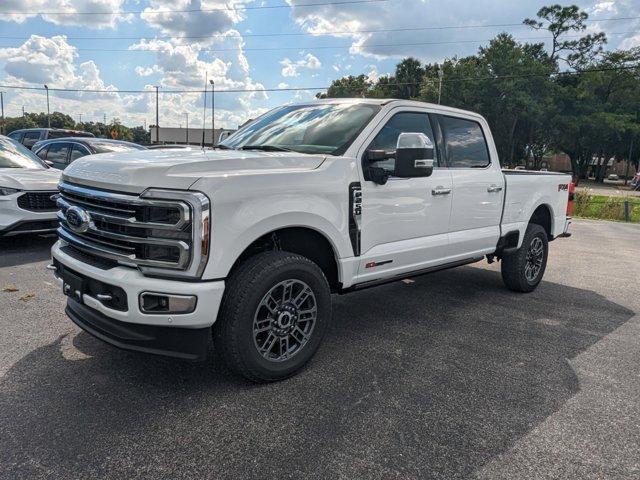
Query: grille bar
39	201
114	228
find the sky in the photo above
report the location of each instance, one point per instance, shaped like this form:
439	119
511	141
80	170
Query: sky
261	47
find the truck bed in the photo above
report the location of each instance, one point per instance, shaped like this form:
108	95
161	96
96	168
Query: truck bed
526	190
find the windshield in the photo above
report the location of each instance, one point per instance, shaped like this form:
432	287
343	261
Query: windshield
321	128
14	155
106	147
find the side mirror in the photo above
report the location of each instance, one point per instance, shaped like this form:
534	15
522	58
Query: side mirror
414	156
49	162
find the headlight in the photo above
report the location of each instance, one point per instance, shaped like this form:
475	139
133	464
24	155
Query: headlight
8	191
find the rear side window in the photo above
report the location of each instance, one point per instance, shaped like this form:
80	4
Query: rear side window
77	152
15	136
58	153
464	143
30	138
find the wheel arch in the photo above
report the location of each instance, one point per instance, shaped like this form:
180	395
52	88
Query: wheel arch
543	216
304	240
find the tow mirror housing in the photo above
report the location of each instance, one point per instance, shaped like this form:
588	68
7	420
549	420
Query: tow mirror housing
414	156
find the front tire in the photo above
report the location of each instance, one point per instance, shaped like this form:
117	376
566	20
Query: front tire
276	310
523	269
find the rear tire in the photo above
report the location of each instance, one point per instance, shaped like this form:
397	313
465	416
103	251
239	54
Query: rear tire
523	269
275	312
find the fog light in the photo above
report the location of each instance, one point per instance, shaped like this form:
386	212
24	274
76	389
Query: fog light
151	302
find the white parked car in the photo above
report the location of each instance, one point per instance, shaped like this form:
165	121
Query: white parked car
161	250
26	187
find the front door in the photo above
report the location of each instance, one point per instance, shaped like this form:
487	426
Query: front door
404	223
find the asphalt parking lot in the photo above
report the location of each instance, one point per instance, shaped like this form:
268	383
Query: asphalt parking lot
451	376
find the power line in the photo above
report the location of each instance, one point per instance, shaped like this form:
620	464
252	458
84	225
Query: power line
321	47
320	34
199	10
297	89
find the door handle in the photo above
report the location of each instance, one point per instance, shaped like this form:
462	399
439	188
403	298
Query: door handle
494	188
440	191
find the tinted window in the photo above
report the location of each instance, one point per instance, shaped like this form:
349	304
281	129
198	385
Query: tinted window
15	135
77	152
58	153
42	153
30	138
464	142
387	138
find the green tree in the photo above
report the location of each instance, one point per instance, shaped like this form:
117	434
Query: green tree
346	87
558	21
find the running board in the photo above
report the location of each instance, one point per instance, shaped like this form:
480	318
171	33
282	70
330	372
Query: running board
416	273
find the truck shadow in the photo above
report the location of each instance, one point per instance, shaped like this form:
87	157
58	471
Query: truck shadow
430	379
23	249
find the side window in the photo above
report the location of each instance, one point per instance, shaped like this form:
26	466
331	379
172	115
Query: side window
30	138
42	153
77	152
58	153
464	143
15	136
387	138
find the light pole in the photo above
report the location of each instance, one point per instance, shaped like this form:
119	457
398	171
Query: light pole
204	108
48	114
157	116
2	108
187	115
440	75
213	114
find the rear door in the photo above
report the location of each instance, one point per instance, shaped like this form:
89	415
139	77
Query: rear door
478	186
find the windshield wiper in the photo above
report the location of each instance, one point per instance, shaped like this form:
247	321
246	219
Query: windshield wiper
220	146
266	148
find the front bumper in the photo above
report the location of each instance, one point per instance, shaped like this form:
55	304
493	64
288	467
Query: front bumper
209	294
184	343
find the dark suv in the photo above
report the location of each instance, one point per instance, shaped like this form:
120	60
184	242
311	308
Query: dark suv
60	152
29	136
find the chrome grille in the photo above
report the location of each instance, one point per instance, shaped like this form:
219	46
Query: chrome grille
154	231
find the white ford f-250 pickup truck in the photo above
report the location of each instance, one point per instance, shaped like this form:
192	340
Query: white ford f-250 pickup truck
159	251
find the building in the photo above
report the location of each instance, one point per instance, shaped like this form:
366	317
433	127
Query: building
192	136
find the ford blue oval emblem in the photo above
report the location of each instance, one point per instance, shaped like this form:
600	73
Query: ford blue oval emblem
78	219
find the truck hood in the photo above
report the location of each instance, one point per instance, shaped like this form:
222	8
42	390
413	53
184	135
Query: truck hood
139	169
29	178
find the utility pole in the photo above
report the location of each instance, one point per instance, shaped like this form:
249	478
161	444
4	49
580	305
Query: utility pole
23	111
2	108
48	113
213	114
204	108
104	118
80	115
187	115
440	75
157	115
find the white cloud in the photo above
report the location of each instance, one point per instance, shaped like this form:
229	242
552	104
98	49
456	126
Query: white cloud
217	16
103	19
435	44
283	85
146	71
292	69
